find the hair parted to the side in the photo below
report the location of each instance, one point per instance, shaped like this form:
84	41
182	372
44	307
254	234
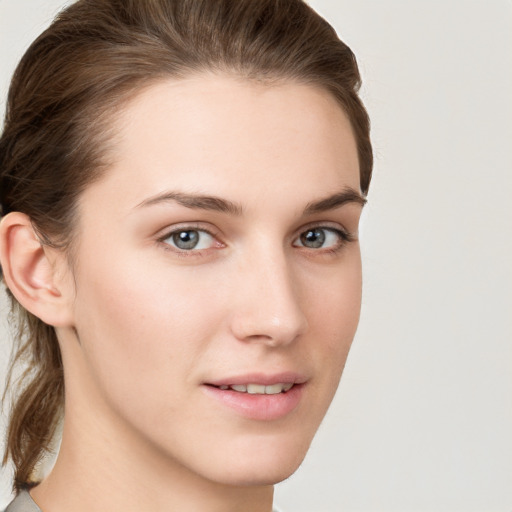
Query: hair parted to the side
67	89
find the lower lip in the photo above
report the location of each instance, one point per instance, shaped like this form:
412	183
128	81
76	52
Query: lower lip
258	407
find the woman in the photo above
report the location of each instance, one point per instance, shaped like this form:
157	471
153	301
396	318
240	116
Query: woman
181	187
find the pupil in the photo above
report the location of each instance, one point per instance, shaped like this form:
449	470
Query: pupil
186	239
313	238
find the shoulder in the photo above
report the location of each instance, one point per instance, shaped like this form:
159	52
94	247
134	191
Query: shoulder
23	503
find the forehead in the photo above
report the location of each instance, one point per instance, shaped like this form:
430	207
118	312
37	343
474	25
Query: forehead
209	132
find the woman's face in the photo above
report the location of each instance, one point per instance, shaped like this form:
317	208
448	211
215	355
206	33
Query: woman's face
218	275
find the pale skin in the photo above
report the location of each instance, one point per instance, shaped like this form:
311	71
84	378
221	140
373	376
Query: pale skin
146	326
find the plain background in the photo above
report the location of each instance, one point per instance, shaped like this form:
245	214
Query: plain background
423	417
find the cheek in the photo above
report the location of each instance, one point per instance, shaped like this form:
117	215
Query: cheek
143	330
333	326
333	320
336	304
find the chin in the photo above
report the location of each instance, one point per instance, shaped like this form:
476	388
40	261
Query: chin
259	476
263	462
273	475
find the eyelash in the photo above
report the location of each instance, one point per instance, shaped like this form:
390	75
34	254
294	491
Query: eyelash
183	229
343	236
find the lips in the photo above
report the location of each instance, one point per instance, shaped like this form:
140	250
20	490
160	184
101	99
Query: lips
258	396
259	379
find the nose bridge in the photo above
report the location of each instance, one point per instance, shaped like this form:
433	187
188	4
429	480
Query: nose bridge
269	305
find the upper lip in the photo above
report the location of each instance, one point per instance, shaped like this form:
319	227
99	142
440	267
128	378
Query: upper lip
265	379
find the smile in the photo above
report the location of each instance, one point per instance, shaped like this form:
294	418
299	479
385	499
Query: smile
263	402
259	389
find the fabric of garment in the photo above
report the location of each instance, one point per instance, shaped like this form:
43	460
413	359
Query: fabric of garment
24	503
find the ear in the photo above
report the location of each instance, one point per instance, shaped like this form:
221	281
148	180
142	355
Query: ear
37	275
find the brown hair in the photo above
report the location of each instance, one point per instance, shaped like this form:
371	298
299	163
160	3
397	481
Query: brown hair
66	89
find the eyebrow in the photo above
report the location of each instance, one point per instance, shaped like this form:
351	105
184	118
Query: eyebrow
218	204
200	202
348	195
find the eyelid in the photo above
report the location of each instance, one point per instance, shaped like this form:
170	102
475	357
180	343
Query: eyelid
333	226
345	237
169	231
163	233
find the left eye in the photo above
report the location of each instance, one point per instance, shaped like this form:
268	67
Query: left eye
319	238
189	239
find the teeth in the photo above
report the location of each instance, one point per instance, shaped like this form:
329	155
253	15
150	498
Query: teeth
274	389
260	389
255	389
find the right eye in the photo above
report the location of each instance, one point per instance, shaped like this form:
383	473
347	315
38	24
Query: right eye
189	239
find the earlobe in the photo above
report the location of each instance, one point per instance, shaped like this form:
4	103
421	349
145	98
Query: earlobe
30	271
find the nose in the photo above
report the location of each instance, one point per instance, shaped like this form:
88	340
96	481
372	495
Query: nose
269	309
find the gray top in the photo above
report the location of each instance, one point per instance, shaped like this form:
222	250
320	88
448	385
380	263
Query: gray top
24	503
